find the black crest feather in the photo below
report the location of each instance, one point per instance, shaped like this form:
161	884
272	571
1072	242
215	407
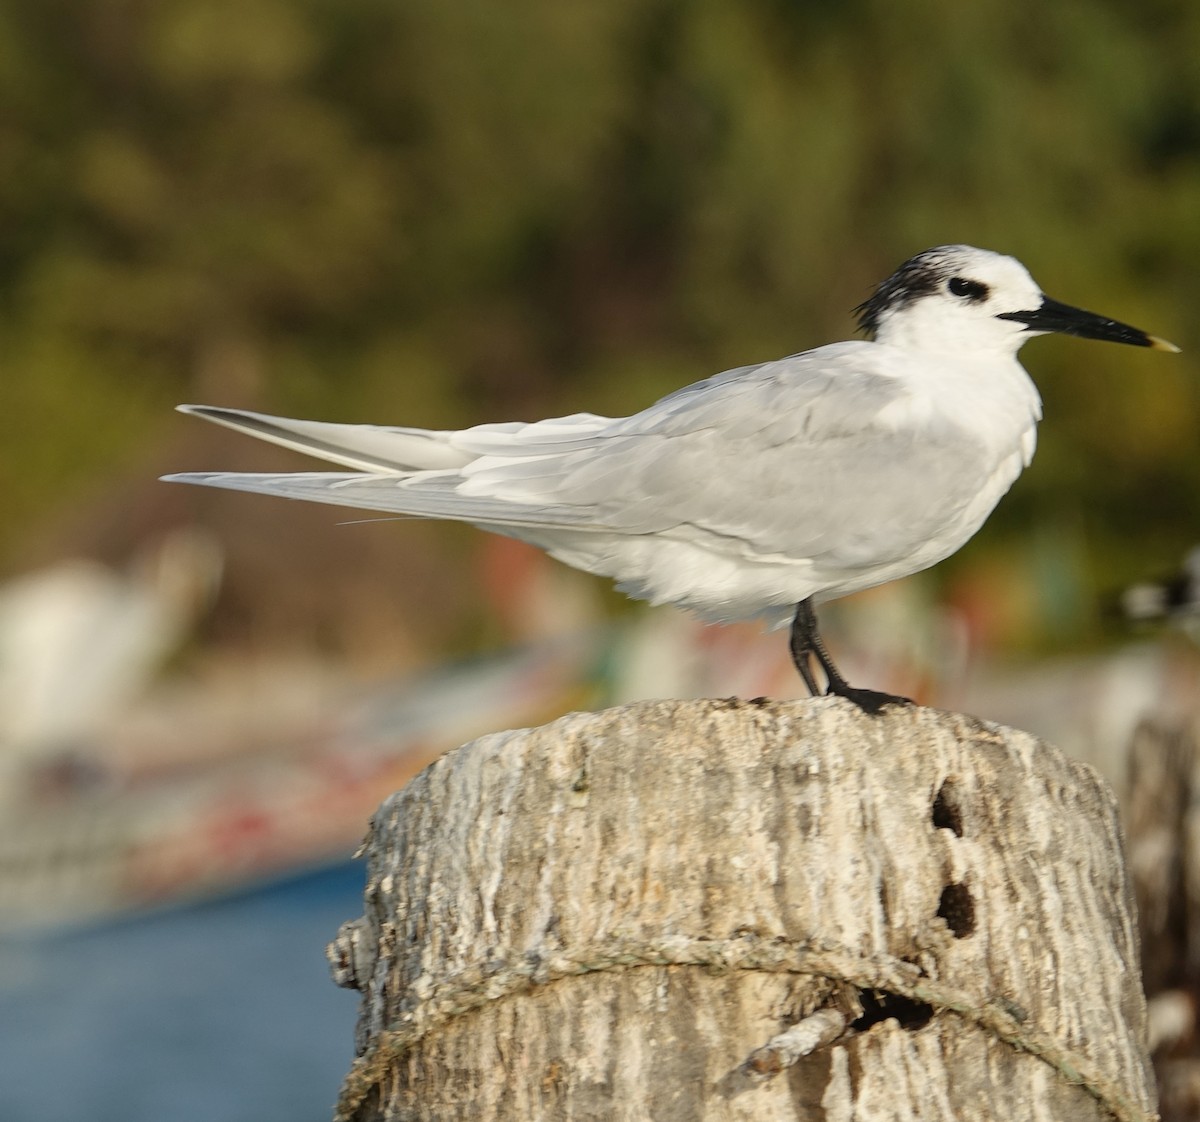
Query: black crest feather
918	276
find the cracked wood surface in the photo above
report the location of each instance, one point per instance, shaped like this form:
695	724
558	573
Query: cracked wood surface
605	917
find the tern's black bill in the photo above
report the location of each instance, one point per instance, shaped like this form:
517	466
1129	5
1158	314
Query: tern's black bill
1065	320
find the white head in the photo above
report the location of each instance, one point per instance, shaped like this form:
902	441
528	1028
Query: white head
960	300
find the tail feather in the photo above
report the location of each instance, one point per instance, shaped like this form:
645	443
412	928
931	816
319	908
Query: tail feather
367	447
501	475
423	494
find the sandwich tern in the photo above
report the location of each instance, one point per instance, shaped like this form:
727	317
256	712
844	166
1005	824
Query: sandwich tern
759	492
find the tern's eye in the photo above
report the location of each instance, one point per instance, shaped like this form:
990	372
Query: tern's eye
972	290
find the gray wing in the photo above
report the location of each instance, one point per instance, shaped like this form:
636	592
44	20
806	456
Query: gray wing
796	457
786	457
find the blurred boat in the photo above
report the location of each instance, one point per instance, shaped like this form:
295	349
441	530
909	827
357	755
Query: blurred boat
295	792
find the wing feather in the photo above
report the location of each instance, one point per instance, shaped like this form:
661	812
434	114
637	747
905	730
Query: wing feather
793	458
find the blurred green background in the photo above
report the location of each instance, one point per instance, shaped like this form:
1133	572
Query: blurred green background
442	213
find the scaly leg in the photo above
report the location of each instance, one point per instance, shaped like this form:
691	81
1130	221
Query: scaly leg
805	643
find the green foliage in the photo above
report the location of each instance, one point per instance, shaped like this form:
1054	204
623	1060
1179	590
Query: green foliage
442	211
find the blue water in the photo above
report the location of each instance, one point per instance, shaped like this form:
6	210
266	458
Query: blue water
221	1012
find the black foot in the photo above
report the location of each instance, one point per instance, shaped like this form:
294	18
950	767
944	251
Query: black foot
871	702
806	644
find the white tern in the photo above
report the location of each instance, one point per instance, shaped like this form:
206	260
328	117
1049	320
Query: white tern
755	493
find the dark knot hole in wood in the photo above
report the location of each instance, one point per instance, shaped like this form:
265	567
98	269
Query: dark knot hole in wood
958	910
947	815
878	1006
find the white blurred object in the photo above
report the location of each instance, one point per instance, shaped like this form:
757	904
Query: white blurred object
78	641
1177	598
1170	1016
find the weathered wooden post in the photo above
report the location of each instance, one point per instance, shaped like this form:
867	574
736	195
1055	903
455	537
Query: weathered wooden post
720	910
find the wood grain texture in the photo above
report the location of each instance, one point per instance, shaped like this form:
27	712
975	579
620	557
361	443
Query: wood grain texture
603	918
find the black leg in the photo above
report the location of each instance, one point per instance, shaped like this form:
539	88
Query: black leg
806	643
801	644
